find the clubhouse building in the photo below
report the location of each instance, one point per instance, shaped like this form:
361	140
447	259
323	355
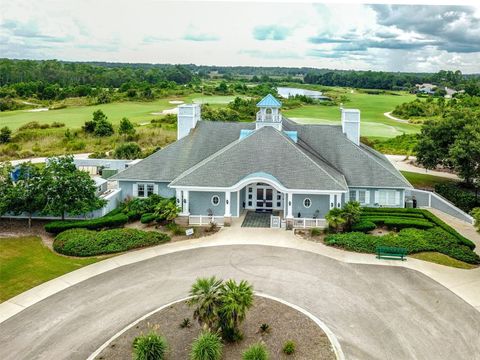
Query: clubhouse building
221	170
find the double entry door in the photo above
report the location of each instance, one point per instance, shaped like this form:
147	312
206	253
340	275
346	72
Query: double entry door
263	197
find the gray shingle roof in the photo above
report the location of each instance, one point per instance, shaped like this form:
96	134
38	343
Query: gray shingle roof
361	165
165	165
269	151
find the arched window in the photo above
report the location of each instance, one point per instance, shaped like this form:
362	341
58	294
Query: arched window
307	203
215	200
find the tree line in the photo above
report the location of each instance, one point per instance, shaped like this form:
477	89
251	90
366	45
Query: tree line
57	189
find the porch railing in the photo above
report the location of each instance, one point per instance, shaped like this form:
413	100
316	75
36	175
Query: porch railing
304	223
201	220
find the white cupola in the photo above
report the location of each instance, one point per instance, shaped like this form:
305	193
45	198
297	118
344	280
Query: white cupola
269	113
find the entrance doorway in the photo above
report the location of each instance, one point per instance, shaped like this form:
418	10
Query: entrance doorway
263	197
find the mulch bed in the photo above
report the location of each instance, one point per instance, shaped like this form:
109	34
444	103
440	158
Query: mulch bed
285	324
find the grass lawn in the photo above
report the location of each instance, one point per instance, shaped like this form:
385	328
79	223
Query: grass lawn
75	116
25	263
425	181
372	107
442	259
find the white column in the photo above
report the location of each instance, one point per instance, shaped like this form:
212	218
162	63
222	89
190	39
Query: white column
185	207
178	197
332	201
227	204
289	205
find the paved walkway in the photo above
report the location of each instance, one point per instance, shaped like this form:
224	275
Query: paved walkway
257	220
39	160
390	116
387	312
375	311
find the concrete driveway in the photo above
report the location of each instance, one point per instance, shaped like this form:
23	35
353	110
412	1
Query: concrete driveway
377	312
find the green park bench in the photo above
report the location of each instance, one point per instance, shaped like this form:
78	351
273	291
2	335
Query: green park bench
386	252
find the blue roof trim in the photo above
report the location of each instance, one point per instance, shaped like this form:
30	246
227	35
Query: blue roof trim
244	133
292	135
269	101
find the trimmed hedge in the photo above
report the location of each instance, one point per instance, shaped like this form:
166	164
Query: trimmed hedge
462	198
83	242
364	226
388	213
414	240
426	215
399	222
105	222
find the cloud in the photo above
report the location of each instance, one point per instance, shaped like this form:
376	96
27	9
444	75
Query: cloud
271	32
274	54
453	28
200	37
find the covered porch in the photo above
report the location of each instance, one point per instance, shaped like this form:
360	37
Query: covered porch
257	194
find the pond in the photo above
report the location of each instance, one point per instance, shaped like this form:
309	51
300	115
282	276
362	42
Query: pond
287	92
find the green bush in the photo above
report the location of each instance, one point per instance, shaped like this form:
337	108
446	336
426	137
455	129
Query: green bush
105	222
149	347
364	226
176	229
83	242
148	218
256	352
414	240
427	215
462	198
208	346
315	232
135	208
288	347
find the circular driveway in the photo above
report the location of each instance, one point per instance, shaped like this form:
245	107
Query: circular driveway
376	312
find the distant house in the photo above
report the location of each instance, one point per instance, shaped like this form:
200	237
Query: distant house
428	89
225	169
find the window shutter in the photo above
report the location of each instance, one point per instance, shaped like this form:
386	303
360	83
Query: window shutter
155	189
397	197
376	197
367	197
135	190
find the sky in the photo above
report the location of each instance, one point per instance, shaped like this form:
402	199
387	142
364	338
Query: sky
417	38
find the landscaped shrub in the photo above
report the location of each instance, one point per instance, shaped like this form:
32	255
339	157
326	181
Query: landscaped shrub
400	212
104	222
414	240
175	229
256	352
398	222
315	232
288	347
148	218
462	198
82	242
208	346
149	347
364	226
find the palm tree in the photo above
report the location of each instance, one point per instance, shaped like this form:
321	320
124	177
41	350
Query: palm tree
205	296
335	218
235	299
351	213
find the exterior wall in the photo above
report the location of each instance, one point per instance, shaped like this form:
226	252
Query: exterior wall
372	203
319	202
127	188
201	201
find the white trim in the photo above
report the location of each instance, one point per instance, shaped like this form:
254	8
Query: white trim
228	202
379	187
309	200
218	198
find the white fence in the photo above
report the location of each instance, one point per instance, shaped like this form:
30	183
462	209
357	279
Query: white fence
305	223
433	200
275	222
205	220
